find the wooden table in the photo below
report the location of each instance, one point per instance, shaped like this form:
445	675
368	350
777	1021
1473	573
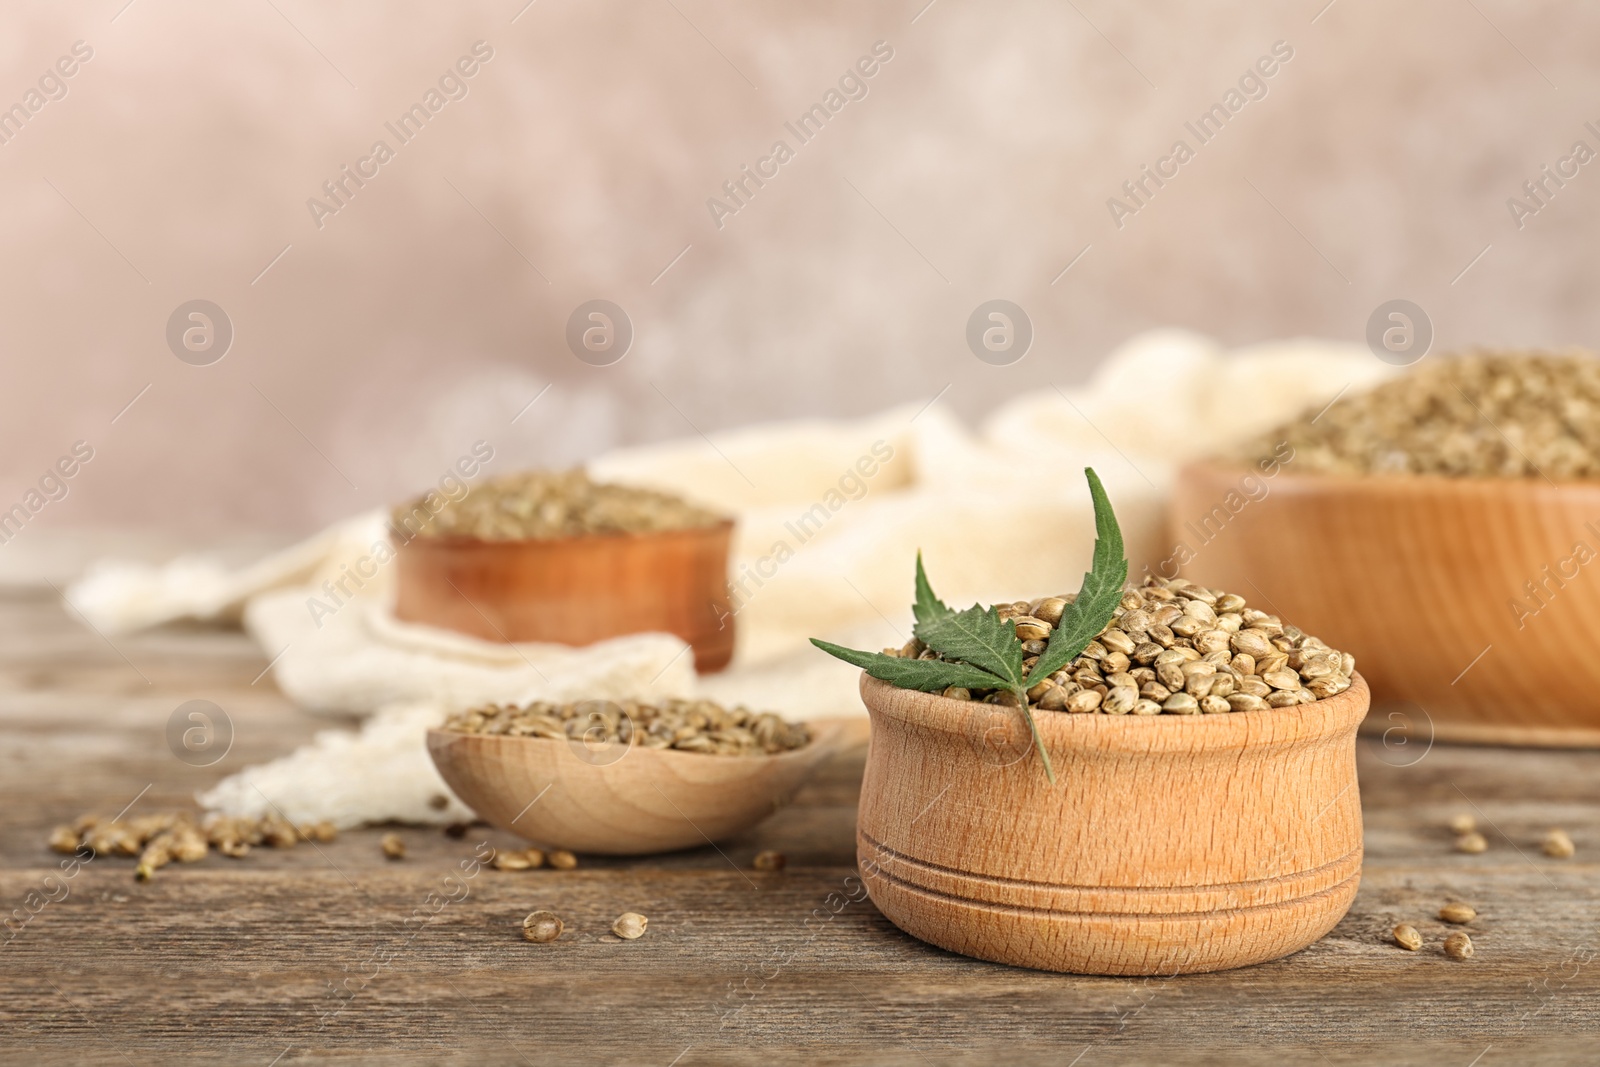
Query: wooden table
241	961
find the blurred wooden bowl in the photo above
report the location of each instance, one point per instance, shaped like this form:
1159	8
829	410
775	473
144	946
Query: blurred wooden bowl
1419	578
620	800
575	590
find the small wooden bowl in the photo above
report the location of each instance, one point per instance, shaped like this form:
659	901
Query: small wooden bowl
1168	845
625	801
575	590
1416	576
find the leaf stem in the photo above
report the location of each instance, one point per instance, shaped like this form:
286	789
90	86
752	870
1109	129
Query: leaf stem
1033	727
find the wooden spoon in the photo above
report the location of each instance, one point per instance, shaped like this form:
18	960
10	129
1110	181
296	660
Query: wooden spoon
620	800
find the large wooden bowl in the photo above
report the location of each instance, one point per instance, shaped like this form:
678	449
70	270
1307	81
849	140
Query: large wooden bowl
626	801
1168	845
1419	577
575	590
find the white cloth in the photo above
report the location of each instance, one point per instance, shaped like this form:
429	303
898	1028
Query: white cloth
822	548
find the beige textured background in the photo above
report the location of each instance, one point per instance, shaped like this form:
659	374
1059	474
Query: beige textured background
431	309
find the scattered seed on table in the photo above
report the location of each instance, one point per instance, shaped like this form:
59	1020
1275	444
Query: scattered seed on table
1457	913
1558	845
64	839
1473	842
1458	946
770	860
393	846
561	859
542	926
511	861
1463	823
1405	935
630	925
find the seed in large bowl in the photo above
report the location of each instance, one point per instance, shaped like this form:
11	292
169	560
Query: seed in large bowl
548	504
1491	414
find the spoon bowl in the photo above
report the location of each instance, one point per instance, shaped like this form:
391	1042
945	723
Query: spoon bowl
621	800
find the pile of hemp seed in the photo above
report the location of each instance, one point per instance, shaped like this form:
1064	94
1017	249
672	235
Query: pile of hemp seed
702	726
1172	648
1479	415
539	505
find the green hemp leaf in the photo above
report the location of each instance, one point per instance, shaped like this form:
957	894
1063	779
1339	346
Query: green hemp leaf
979	650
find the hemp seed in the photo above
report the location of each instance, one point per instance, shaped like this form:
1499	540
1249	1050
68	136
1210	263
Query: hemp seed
1558	845
1457	913
1543	407
542	927
630	926
64	839
1173	647
1473	842
393	846
1463	823
1405	935
512	861
535	505
702	726
770	860
561	859
1458	946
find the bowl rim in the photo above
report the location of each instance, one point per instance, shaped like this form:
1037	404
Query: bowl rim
1144	734
1386	484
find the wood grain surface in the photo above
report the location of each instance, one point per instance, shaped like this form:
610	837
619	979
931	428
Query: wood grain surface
239	961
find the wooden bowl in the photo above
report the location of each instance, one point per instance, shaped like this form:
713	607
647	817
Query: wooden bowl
575	590
622	800
1417	576
1168	845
